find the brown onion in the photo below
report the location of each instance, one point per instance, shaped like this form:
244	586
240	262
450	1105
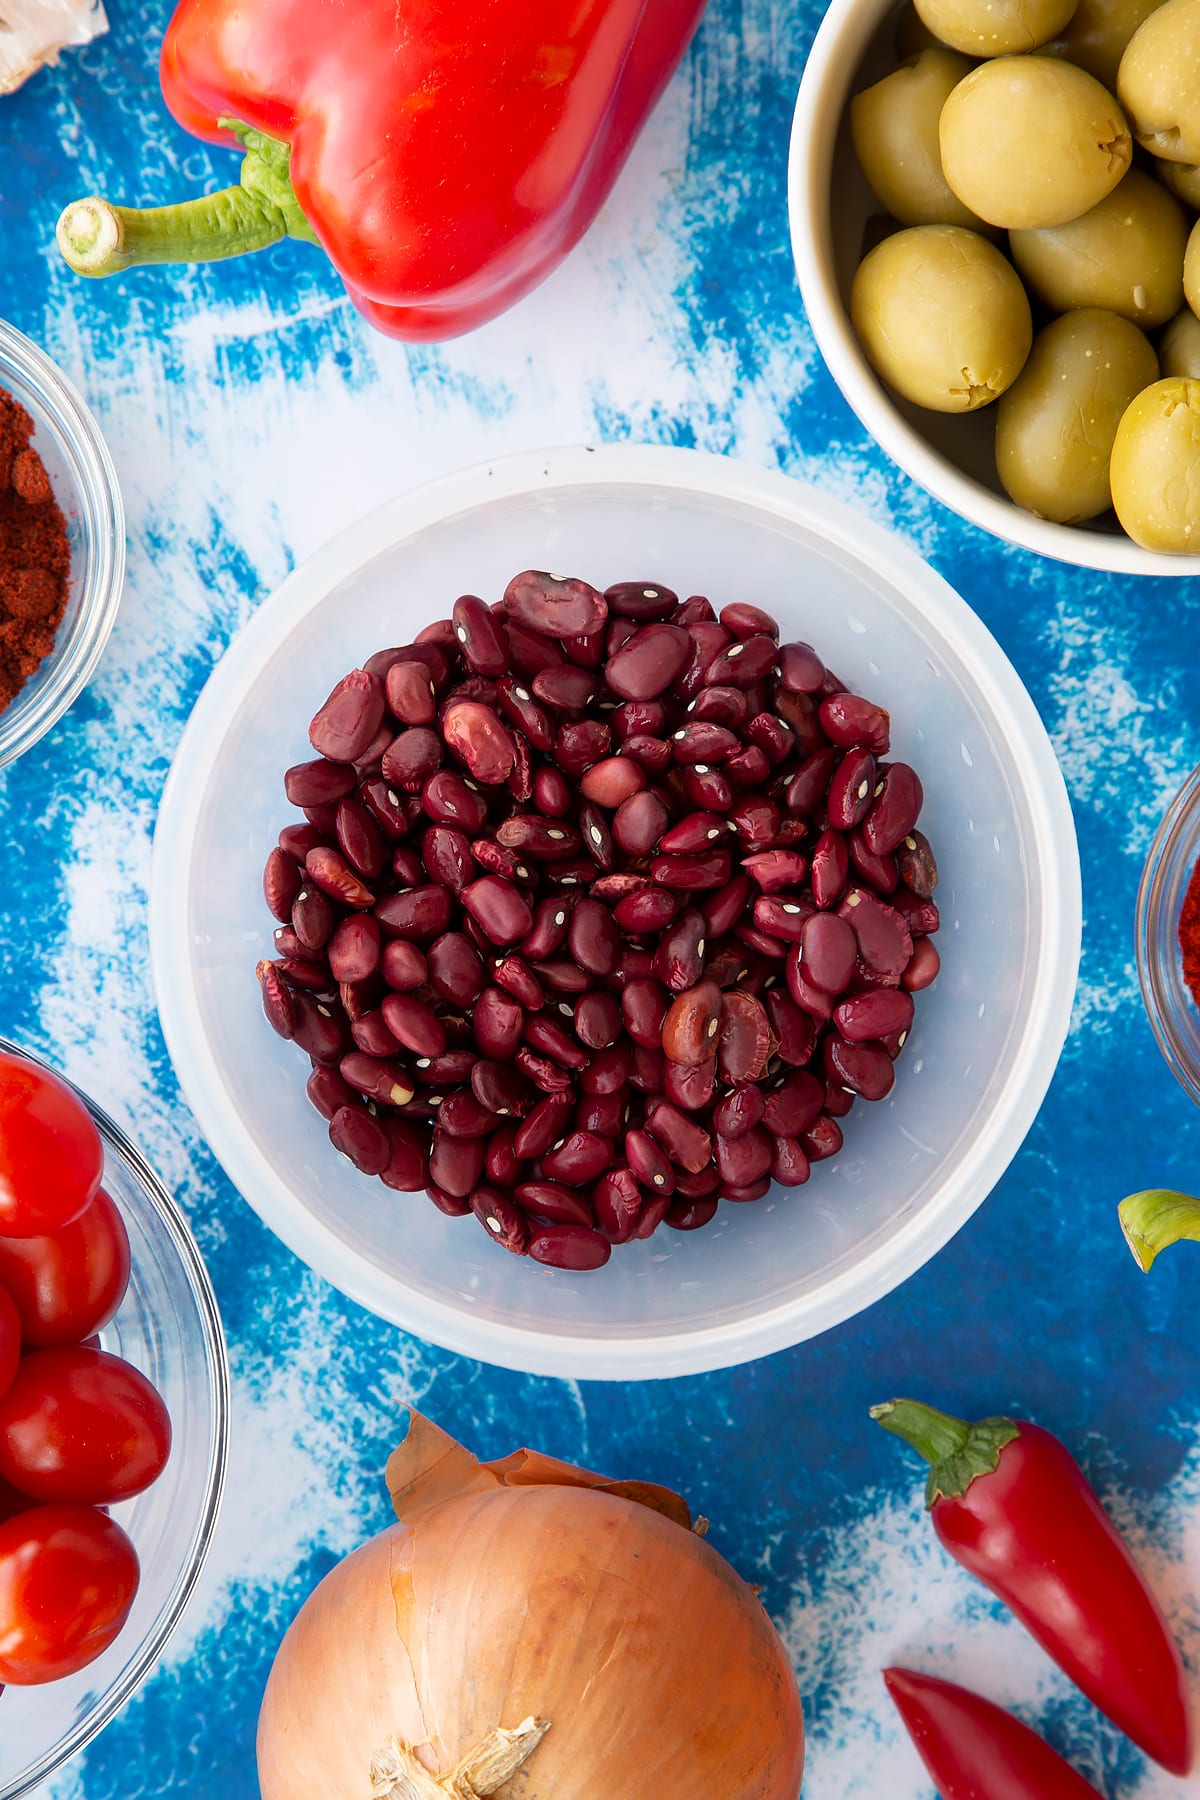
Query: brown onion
528	1615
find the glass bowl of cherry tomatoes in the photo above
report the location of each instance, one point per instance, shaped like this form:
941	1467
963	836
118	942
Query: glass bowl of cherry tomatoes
114	1419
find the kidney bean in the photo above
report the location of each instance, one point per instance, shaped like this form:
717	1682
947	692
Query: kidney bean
644	1005
805	993
277	1002
752	1190
707	788
543	1125
649	662
455	1163
647	911
649	1165
324	818
462	1115
554	605
770	735
604	1114
696	831
436	641
403	966
789	1163
690	1086
334	876
371	1034
361	1139
862	1017
864	1068
563	977
738	1111
749	768
730	966
643	601
608	1071
349	719
282	881
690	874
743	663
883	938
452	1205
499	1089
616	1201
413	1024
915	862
412	758
646	1067
743	1159
775	871
354	948
726	706
828	950
501	1218
744	1041
807	788
572	872
689	1215
742	620
923	966
313	917
513	974
577	746
879	872
360	839
475	735
701	1185
449	1070
851	789
455	968
801	670
449	800
695	610
704	742
411	693
679	958
638	718
569	1247
480	635
550	920
297	840
328	1091
781	917
593	937
419	912
549	1039
300	972
688	1146
795	1030
756	821
319	783
581	1156
597	838
565	689
379	1078
447	856
894	810
654	1209
855	723
690	1029
921	916
612	781
639	822
502	911
651	754
530	651
724	906
791	1108
545	1073
500	1160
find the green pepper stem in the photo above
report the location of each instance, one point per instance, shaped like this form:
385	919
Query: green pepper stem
1155	1219
956	1451
97	238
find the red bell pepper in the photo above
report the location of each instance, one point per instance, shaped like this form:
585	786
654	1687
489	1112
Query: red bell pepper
975	1750
445	153
1010	1503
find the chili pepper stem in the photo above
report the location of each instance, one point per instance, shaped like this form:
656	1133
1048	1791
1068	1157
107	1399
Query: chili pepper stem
1155	1219
98	238
957	1451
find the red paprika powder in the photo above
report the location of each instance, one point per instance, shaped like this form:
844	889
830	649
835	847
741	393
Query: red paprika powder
35	555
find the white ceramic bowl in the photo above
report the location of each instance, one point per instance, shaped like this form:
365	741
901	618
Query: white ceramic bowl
988	1034
829	205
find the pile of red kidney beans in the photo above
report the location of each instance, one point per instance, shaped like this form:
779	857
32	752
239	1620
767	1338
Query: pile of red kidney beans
604	909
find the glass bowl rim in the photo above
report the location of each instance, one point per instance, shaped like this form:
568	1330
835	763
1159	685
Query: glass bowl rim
1183	813
216	1355
23	722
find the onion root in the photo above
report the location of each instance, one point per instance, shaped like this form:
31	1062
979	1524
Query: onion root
396	1773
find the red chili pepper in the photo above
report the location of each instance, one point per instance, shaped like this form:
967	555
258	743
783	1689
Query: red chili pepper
1010	1503
976	1751
446	153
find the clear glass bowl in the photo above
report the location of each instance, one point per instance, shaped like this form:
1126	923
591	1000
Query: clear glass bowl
85	485
169	1327
1174	1015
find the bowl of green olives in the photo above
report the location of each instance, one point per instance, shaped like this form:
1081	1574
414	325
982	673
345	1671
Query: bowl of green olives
993	210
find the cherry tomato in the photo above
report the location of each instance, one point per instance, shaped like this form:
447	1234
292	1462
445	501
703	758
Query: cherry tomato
68	1575
67	1285
10	1339
82	1425
51	1157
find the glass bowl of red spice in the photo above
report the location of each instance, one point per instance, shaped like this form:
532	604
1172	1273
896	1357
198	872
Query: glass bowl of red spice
62	543
1168	935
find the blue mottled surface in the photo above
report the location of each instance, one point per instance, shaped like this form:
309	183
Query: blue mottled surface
251	414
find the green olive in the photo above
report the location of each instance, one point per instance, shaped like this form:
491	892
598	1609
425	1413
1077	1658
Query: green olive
941	317
1028	142
912	34
1183	179
1125	254
895	130
1097	34
1159	82
1056	424
1155	467
1179	346
1191	270
994	27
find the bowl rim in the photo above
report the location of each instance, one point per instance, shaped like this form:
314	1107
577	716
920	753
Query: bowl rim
825	86
886	559
185	1247
1180	817
95	478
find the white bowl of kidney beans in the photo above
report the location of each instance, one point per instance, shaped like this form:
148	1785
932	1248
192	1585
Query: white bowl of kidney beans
597	912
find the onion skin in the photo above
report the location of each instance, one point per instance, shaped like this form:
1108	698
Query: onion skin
657	1668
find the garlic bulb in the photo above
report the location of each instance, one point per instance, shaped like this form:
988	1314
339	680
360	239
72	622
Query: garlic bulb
32	32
